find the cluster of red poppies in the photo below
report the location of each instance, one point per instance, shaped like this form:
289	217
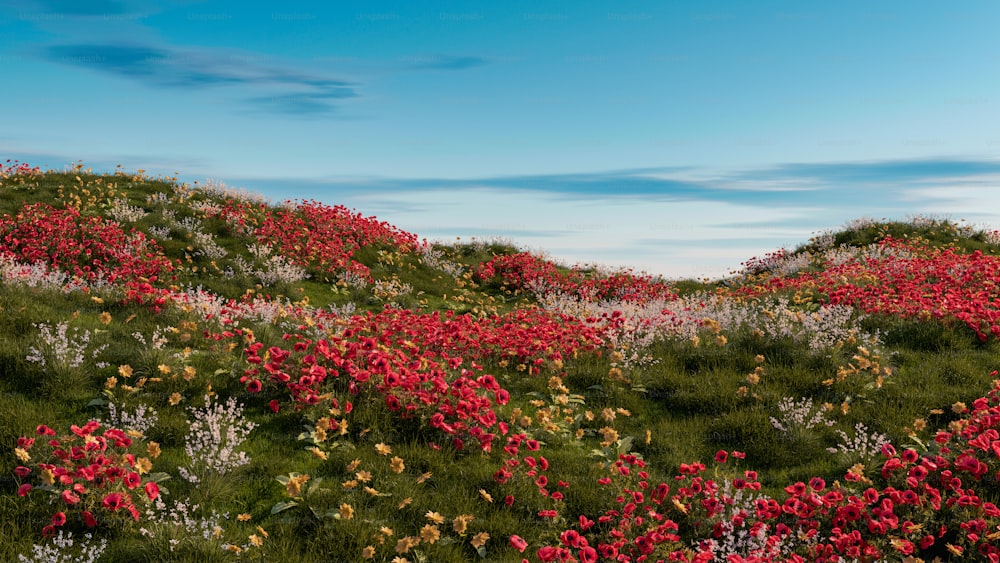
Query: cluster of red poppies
90	475
913	280
422	364
88	247
525	271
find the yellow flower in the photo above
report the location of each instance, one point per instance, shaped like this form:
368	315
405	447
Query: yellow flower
153	449
460	523
721	340
353	465
22	454
405	502
125	371
434	517
143	465
97	300
385	530
423	477
368	552
189	373
406	544
294	486
346	511
262	531
759	358
164	369
397	465
430	533
318	452
372	491
486	496
243	517
919	424
349	484
958	408
363	476
111	382
383	449
175	398
609	434
480	539
48	476
256	540
105	318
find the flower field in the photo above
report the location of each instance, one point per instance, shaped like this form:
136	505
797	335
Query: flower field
193	373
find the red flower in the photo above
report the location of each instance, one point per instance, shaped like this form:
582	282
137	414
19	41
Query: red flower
69	497
58	519
518	543
113	501
132	480
89	519
721	456
274	405
24	489
152	490
22	471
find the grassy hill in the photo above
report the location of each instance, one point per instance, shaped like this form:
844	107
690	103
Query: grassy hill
191	373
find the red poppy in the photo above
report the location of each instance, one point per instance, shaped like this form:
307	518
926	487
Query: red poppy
58	519
113	501
152	490
132	480
518	543
69	497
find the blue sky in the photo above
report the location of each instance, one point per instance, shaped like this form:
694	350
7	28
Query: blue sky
679	138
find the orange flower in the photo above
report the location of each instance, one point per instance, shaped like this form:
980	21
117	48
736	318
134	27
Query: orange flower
397	465
430	533
480	539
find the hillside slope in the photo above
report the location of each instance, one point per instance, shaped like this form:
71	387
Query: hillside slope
192	373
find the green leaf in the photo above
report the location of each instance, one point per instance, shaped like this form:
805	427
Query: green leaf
283	505
98	402
159	477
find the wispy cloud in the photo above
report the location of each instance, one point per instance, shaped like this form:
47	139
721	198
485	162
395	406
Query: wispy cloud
444	62
280	90
89	8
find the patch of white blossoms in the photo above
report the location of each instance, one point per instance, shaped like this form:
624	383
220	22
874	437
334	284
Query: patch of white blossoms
214	436
63	549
